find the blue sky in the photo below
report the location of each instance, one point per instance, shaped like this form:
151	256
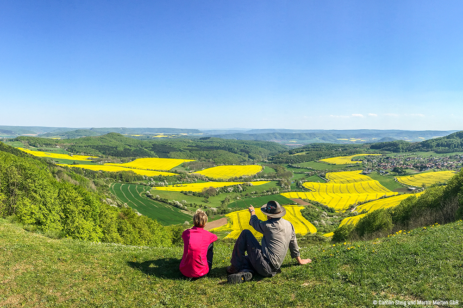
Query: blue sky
226	64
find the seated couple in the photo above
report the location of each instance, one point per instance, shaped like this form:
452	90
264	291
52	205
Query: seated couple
265	259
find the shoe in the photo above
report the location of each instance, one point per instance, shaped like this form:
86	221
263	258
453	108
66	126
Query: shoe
239	277
231	270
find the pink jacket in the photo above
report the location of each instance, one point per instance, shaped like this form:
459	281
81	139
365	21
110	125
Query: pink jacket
195	243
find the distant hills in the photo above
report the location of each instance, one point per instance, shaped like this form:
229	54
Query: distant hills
298	137
289	137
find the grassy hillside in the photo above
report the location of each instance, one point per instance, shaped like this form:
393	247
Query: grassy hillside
37	271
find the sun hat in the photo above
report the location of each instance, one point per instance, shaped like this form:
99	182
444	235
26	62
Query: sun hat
273	209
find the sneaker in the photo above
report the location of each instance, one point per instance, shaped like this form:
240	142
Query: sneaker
239	277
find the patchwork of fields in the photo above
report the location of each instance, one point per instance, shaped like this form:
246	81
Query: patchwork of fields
427	179
240	221
344	190
134	196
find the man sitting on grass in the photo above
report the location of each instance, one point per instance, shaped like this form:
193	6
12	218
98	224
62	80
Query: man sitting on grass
266	260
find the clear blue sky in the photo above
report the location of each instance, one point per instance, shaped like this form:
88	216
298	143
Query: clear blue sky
311	64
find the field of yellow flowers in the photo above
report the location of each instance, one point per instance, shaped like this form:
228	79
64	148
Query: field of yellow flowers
427	179
197	187
343	160
344	189
227	172
58	156
119	169
153	163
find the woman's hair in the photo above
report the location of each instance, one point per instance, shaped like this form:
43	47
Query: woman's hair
199	219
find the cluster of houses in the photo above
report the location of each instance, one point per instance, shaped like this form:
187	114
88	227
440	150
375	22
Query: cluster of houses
420	163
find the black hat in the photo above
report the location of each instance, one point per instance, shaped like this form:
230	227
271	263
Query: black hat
273	209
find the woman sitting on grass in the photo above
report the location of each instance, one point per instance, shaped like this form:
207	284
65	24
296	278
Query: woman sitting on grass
198	245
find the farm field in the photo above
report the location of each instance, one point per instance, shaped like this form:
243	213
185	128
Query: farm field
344	190
240	222
384	203
119	169
56	155
346	177
227	172
387	181
153	163
351	220
428	178
343	160
198	187
134	196
315	165
259	201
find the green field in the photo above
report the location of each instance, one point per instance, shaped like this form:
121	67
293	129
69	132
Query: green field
386	181
315	178
267	169
327	167
259	201
134	196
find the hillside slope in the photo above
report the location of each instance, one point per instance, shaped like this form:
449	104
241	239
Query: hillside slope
36	271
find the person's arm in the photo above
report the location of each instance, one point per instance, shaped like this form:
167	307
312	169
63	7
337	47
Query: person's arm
255	222
294	249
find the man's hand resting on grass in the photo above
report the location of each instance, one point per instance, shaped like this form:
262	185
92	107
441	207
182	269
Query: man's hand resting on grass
252	210
303	261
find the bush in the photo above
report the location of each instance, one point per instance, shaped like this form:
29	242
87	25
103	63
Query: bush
343	233
377	221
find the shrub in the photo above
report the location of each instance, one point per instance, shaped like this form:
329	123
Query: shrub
343	233
377	221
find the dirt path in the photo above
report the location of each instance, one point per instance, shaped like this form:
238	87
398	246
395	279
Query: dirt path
216	223
300	201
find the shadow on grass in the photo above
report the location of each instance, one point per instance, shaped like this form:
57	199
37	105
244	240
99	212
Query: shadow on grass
169	269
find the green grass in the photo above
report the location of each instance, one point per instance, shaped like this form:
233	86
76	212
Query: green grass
327	167
267	169
315	178
15	144
386	181
259	201
37	271
70	162
134	196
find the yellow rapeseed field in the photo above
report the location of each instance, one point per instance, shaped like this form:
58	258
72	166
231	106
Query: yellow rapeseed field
343	160
153	163
240	221
428	178
118	169
54	155
384	203
347	177
351	220
343	190
200	186
227	172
